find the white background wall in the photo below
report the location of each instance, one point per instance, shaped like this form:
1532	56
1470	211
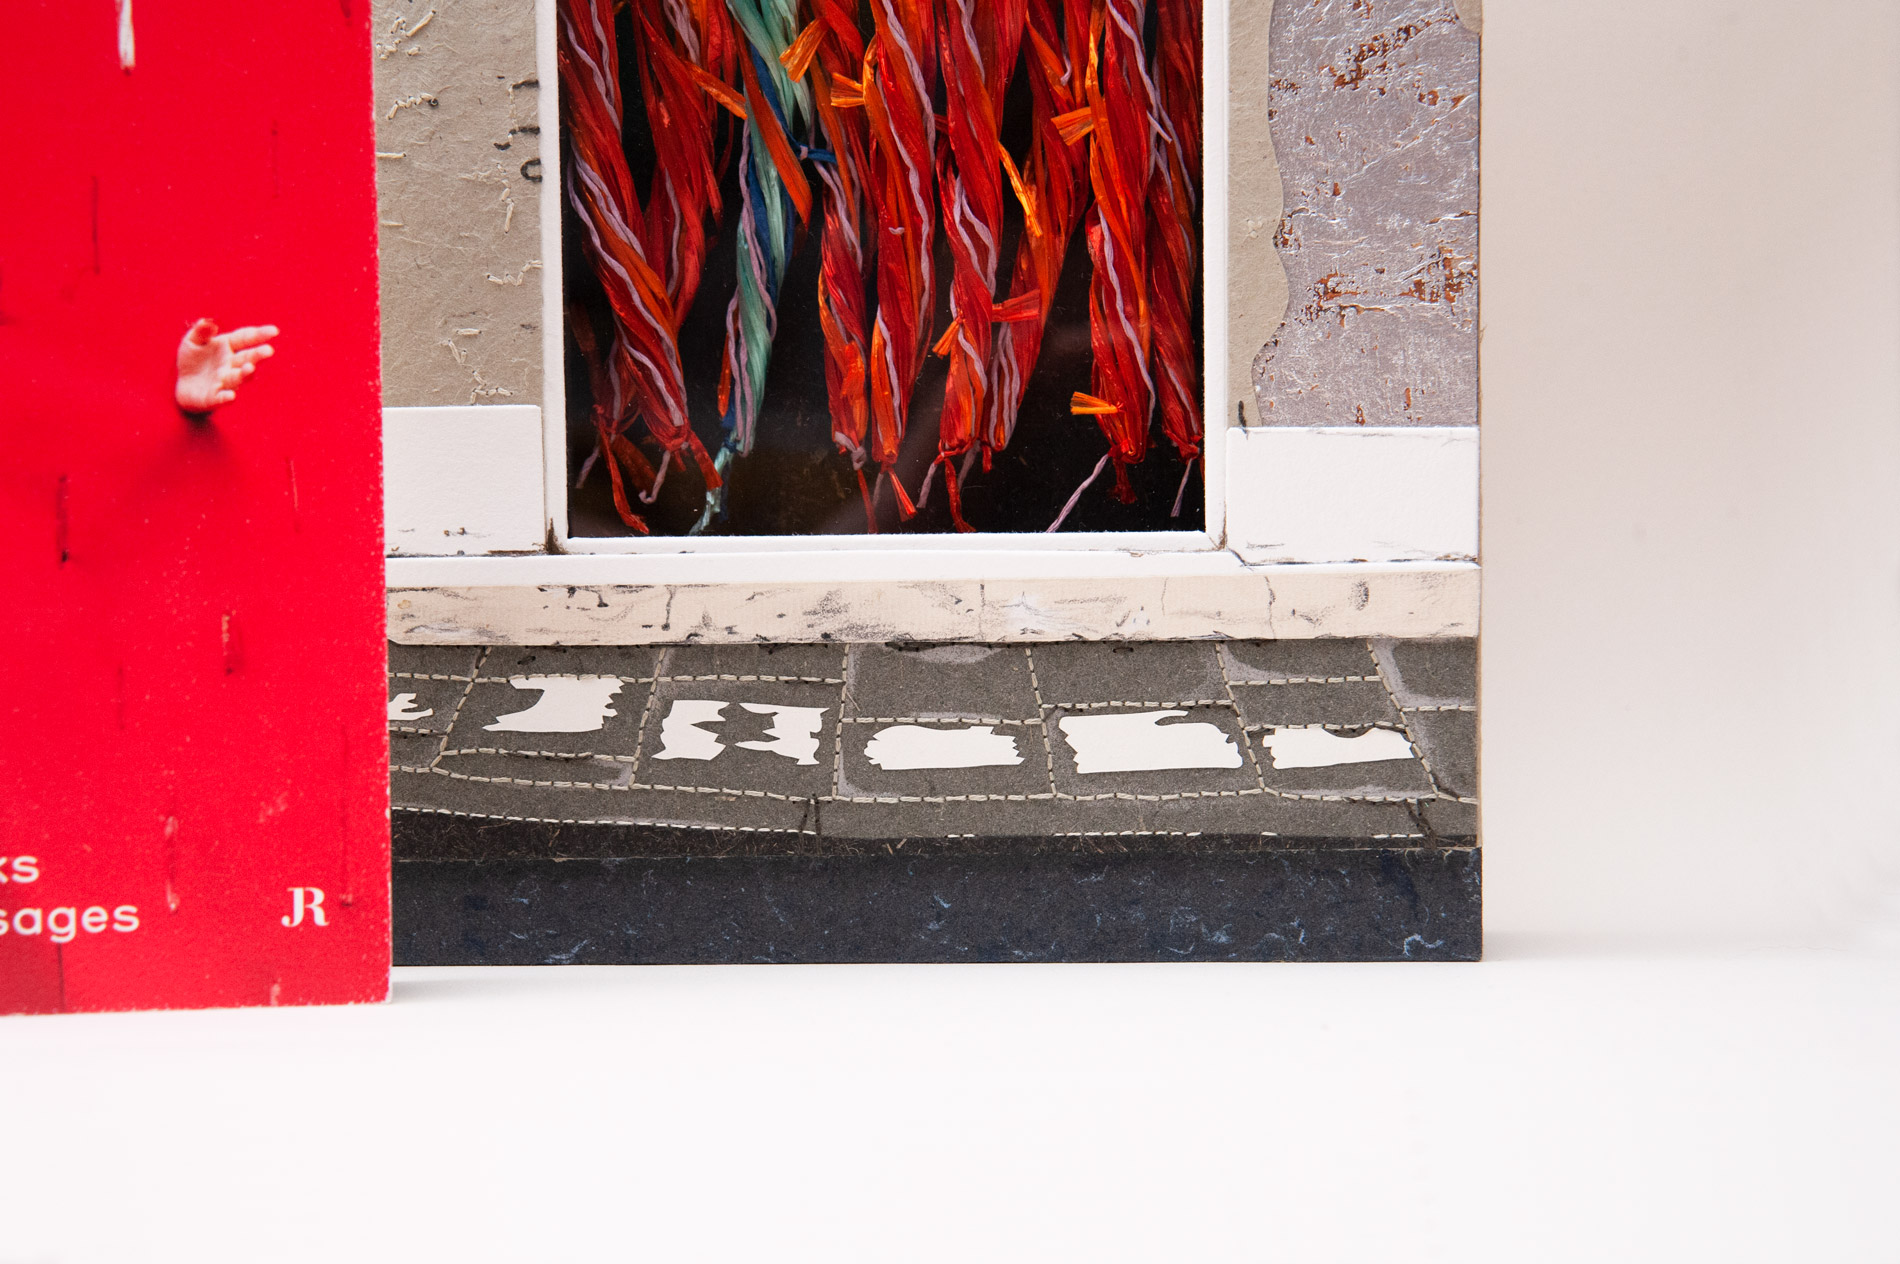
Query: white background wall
1691	362
1693	315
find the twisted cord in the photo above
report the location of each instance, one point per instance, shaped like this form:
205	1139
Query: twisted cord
844	262
1053	190
1173	197
900	70
1121	101
977	41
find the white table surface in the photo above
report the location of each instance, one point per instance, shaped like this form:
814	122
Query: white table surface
1529	1108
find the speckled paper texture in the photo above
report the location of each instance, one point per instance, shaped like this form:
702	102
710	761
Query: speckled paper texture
458	194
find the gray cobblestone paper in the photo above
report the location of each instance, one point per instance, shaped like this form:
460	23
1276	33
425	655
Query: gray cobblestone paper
737	773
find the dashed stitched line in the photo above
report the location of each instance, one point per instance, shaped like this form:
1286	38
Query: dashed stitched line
660	662
837	730
403	675
1431	777
932	719
456	714
539	754
452	775
1149	833
406	730
1050	795
1319	797
1042	714
1458	706
646	713
633	680
1253	757
502	680
1297	680
947	798
1331	728
1139	833
609	820
1094	706
764	680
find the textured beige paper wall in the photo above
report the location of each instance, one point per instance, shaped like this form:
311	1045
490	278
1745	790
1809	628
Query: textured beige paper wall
1256	280
458	192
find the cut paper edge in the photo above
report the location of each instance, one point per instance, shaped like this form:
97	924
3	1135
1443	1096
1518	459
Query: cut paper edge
911	747
1313	746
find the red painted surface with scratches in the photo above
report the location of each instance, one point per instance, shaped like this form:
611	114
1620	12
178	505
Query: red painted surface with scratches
191	672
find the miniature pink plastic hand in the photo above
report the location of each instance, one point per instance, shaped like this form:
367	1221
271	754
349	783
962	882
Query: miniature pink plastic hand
212	365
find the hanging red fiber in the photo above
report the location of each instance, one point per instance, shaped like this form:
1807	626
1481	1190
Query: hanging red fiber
834	41
977	41
1173	195
608	405
645	351
1052	187
685	57
900	68
1178	77
1121	104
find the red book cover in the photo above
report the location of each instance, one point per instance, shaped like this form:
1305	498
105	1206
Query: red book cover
193	764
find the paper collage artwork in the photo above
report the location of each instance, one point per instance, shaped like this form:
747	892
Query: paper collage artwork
859	480
1019	449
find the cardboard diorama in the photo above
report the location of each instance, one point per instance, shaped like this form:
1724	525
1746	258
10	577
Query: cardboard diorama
931	480
863	480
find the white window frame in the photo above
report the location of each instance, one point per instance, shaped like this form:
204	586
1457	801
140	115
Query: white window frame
1214	254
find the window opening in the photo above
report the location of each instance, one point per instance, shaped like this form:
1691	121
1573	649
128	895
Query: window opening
758	343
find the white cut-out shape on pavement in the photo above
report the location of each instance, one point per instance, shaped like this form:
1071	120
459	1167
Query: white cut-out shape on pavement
903	747
1312	746
568	705
1139	742
680	734
399	708
794	731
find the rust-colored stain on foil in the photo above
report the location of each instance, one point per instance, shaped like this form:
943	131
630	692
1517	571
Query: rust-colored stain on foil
1374	112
